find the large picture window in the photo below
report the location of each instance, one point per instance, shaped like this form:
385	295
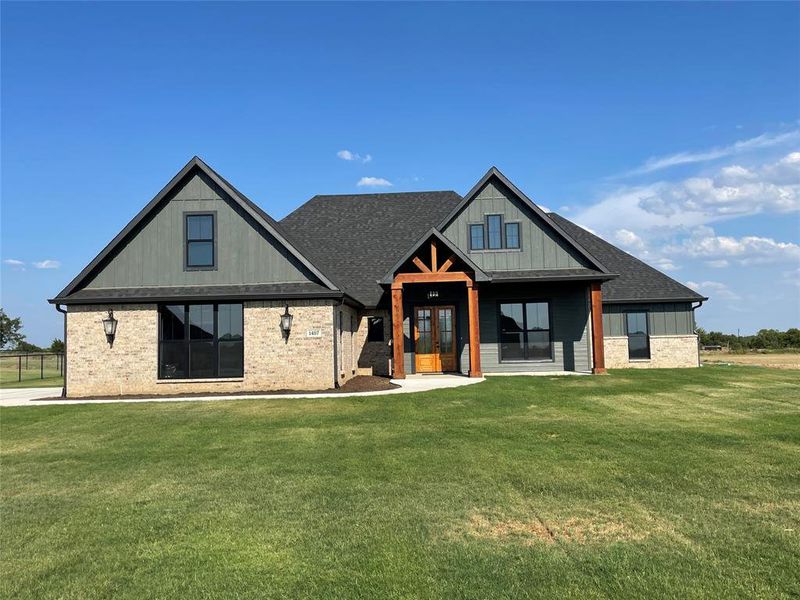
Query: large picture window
200	250
525	331
200	341
638	335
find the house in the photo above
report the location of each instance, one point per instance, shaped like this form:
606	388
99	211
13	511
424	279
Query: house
204	292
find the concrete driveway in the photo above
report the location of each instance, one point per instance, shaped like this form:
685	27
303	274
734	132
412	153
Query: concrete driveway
413	383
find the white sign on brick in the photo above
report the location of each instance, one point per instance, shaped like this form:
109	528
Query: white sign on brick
314	333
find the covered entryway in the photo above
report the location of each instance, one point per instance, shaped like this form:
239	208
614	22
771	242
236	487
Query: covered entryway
433	327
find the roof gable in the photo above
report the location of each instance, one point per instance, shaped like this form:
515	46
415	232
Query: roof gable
575	255
186	177
412	252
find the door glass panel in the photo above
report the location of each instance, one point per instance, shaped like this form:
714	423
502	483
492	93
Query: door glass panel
446	330
511	347
201	359
425	340
172	321
230	326
537	315
538	345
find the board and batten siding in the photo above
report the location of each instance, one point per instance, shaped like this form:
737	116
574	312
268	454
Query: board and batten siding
154	255
541	248
663	318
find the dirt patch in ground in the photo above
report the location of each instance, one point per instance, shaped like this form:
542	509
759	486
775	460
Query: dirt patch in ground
786	360
360	383
575	530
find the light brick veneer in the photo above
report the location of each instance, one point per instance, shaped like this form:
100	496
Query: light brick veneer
666	351
130	366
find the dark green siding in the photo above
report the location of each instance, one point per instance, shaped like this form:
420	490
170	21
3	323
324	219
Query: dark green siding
664	318
541	248
154	256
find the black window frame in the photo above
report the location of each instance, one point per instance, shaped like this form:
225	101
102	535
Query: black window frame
187	342
505	235
187	241
488	242
525	330
372	326
484	228
646	335
483	236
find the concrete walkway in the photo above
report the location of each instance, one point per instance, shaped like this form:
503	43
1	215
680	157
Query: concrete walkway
414	383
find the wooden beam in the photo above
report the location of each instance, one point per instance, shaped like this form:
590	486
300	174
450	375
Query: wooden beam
447	264
398	367
450	276
474	332
434	261
422	266
598	349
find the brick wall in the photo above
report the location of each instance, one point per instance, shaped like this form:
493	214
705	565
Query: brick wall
666	351
373	357
130	365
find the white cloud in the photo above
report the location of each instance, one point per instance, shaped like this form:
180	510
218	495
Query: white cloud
717	264
685	204
47	264
373	182
713	289
14	262
628	239
353	156
765	140
747	250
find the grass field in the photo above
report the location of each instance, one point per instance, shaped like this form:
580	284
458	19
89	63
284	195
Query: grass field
641	484
775	360
31	371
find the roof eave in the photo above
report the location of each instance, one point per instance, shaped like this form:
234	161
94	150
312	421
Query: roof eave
332	294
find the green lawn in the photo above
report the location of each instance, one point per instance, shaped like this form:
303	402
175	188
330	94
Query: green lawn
54	381
674	483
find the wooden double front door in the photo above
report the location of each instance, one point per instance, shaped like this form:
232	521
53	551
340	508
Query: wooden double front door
435	339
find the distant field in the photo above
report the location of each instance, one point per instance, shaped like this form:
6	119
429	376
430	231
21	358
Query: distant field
31	371
775	361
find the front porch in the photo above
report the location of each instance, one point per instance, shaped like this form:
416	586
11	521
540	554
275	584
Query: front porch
448	316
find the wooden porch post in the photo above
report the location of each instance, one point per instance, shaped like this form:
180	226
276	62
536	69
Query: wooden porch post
474	331
597	329
397	332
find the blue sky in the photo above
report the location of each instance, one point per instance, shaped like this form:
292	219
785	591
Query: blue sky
671	129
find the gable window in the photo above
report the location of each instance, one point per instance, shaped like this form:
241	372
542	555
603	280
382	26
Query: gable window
375	329
525	331
200	341
638	335
494	228
512	235
494	234
200	249
476	237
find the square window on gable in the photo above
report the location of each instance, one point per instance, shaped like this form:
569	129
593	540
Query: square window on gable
200	241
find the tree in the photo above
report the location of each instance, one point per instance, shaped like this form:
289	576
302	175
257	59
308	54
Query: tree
10	330
57	346
24	346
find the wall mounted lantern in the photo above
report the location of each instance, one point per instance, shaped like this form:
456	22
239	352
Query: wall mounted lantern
110	327
286	323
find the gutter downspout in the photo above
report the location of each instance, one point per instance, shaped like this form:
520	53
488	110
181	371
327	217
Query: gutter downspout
64	312
336	318
694	322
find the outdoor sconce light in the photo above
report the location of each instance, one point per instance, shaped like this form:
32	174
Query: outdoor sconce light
286	323
110	327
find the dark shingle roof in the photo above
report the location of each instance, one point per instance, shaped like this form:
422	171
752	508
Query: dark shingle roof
637	281
355	239
261	291
549	275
